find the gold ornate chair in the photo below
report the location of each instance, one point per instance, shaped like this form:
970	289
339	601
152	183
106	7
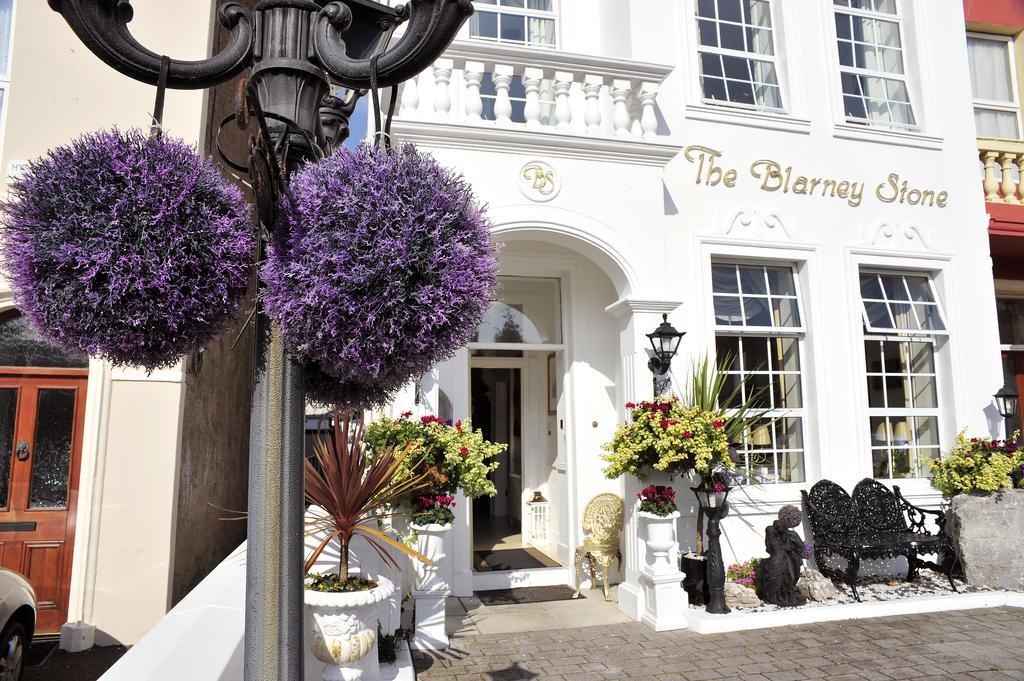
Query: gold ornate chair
602	518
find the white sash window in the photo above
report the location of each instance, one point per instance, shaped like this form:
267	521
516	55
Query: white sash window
871	63
994	85
736	50
759	326
904	324
523	22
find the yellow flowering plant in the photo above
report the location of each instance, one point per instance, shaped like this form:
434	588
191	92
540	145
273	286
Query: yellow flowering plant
666	435
979	465
454	455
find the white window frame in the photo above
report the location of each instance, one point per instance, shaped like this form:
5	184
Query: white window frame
5	78
931	337
992	105
869	328
499	9
774	58
760	333
900	19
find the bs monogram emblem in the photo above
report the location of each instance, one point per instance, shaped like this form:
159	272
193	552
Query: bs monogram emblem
539	182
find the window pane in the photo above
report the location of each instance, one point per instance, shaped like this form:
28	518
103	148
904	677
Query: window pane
992	123
51	461
922	358
785	312
881	433
927	431
752	280
758	311
785	354
878	315
527	310
8	414
991	76
727	311
780	281
787	391
755	354
901	465
21	346
541	5
6	19
513	28
483	25
876	392
728	347
723	279
1010	313
729	10
925	396
542	31
880	463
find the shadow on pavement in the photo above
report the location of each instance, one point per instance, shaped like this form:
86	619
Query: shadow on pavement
48	664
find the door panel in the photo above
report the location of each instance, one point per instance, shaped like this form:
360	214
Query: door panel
41	416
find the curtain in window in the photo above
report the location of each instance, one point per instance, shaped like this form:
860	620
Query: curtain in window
991	81
541	31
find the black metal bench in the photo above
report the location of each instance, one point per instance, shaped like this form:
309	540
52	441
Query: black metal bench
874	523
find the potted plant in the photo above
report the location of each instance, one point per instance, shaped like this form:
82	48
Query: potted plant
658	513
983	479
346	489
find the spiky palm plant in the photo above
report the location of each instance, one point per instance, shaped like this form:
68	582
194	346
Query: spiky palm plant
350	488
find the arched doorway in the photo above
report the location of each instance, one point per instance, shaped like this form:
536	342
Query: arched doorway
42	407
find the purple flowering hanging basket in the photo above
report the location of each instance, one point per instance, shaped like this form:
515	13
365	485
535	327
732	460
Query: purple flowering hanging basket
388	268
129	248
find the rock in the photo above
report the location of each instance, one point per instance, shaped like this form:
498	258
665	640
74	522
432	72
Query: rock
739	596
987	535
815	586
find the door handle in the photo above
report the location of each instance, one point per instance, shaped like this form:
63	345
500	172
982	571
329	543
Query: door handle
21	451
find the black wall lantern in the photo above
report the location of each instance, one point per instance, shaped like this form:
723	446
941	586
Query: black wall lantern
664	341
1007	401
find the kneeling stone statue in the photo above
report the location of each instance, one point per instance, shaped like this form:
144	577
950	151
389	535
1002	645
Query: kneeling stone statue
779	572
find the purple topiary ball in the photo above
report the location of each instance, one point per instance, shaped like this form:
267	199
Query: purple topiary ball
388	268
130	248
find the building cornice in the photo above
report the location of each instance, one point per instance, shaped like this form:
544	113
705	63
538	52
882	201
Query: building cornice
488	137
625	307
556	60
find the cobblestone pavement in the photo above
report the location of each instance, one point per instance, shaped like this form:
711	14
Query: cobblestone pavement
981	645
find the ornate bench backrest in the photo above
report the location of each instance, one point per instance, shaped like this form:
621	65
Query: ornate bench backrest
603	518
877	509
830	510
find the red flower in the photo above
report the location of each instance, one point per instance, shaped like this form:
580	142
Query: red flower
406	414
664	423
464	451
718	425
719	487
458	425
687	433
630	405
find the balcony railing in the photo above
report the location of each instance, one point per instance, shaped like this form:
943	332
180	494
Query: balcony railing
1002	162
558	92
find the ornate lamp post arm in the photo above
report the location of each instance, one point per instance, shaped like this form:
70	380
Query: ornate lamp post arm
431	26
102	26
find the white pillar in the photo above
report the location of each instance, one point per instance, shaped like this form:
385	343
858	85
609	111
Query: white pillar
411	97
502	78
563	112
532	78
442	90
648	118
620	97
432	587
473	72
592	90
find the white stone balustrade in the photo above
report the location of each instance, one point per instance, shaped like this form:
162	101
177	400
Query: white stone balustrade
1002	162
541	90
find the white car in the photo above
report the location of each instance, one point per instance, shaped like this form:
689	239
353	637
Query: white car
17	623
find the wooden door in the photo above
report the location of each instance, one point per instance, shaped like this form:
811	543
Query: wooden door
41	418
1013	376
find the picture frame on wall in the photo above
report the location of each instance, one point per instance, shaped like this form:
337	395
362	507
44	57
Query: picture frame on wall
552	383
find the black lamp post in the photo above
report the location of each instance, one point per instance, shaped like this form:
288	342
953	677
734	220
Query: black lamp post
296	50
712	497
664	341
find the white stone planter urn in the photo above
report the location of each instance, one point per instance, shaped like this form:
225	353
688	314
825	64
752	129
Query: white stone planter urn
432	586
660	535
344	631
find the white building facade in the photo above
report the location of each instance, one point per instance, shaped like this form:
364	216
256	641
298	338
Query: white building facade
795	184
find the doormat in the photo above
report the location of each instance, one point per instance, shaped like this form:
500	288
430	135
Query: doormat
512	559
38	652
526	594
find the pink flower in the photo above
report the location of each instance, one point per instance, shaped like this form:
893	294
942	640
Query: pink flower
458	425
630	405
464	451
719	487
718	425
